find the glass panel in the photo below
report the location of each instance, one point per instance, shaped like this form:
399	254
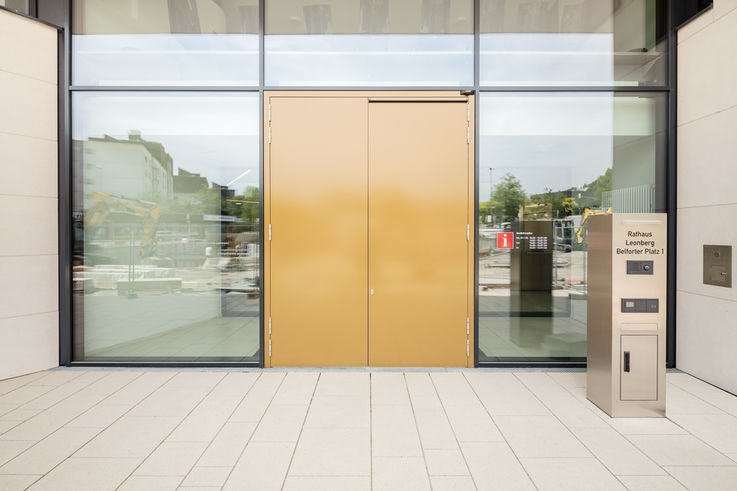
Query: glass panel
165	42
369	42
547	162
17	5
572	42
166	226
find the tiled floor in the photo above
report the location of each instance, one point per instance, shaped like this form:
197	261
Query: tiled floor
344	430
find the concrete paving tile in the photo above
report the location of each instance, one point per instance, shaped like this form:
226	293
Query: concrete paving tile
10	449
207	476
56	378
400	474
330	411
171	459
420	385
570	474
679	450
280	424
651	483
6	408
49	452
433	426
24	394
195	380
540	436
98	417
150	483
11	384
570	379
138	389
732	456
347	384
678	401
20	415
443	462
493	466
617	453
454	389
254	404
706	478
129	437
394	433
645	426
227	446
718	430
706	392
452	483
159	403
84	474
64	390
472	423
262	467
388	388
559	401
327	483
7	425
296	389
332	452
205	420
504	393
16	482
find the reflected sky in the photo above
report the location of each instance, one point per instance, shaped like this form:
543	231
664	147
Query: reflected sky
165	59
555	59
555	141
215	135
368	59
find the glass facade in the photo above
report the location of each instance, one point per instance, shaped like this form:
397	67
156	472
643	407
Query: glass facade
572	43
369	43
166	220
164	42
548	161
22	6
572	103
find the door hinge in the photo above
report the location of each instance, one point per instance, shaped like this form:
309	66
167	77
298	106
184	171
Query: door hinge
468	113
269	326
468	326
468	134
269	231
269	135
269	348
468	348
468	232
270	112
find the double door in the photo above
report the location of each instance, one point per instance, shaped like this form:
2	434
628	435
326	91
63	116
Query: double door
368	250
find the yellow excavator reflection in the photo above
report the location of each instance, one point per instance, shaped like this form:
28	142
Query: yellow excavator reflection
587	213
105	203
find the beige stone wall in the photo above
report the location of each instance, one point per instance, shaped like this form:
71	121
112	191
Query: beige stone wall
29	308
707	192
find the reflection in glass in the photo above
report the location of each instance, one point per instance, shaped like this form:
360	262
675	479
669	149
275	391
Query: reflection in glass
369	43
369	60
575	43
166	221
17	5
547	163
164	42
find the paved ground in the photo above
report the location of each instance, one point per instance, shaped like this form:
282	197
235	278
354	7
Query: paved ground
343	430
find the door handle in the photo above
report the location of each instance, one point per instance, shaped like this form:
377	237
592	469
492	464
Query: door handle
371	291
626	361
